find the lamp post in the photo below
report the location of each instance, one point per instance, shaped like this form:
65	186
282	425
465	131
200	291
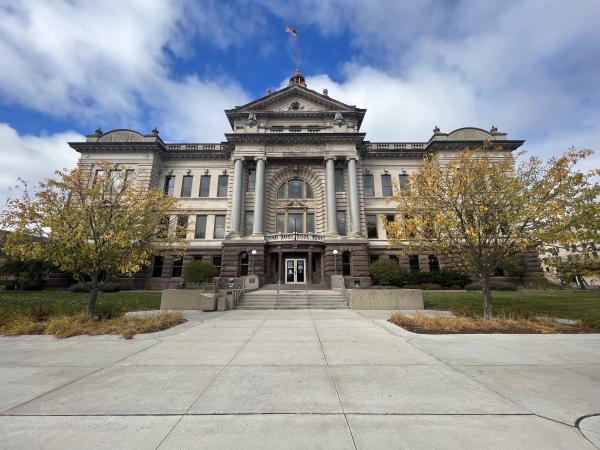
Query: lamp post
253	252
335	253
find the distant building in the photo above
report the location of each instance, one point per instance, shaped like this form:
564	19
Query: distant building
294	180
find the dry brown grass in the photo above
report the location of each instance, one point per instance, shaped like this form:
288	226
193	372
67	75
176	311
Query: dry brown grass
64	326
421	323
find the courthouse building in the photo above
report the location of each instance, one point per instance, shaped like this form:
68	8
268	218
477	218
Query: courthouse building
295	193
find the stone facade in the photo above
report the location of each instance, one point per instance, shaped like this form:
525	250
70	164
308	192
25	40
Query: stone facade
295	180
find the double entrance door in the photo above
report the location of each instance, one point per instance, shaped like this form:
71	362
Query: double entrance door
295	270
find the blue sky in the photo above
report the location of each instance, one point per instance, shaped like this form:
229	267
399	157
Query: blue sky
530	67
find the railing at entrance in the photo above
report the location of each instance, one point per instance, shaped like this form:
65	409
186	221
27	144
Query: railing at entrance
294	237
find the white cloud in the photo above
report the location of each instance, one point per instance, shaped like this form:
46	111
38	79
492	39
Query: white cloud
110	61
528	67
33	158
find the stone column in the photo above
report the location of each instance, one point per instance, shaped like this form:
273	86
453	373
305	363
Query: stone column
236	201
310	267
353	196
330	202
259	196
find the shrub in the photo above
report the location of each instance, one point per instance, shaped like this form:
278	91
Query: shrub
387	273
199	272
494	285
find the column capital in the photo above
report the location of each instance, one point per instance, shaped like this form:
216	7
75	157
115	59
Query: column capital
237	158
330	158
354	157
260	158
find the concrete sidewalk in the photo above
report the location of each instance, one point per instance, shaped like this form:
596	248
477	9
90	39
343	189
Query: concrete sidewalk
300	379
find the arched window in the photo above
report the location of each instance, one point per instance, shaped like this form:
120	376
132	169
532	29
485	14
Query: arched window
346	263
244	264
295	188
309	191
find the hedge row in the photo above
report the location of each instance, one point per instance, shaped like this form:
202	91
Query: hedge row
389	273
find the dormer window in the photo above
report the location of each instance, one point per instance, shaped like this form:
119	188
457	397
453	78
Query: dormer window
295	106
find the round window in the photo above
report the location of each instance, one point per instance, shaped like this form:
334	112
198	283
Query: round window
295	106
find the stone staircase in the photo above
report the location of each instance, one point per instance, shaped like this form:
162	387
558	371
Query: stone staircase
293	299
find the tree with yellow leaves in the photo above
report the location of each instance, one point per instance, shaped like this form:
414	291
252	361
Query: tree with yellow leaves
96	226
480	209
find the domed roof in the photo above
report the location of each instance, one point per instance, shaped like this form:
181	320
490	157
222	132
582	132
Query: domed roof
297	79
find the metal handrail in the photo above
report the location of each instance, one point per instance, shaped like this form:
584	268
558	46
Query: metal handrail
277	296
238	294
345	292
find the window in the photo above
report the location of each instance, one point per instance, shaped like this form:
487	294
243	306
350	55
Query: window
386	185
182	223
390	217
219	232
341	222
169	187
205	186
295	188
372	226
434	264
280	223
295	223
413	263
346	263
157	266
129	175
310	223
115	180
200	232
244	264
186	186
177	266
164	227
251	180
249	222
99	176
216	261
281	191
339	180
309	191
403	181
369	186
222	187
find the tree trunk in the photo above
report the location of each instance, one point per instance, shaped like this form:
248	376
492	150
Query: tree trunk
93	295
486	293
17	281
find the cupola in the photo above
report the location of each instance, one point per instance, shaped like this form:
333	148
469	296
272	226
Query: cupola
297	79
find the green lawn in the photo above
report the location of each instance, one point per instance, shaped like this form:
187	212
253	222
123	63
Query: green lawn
69	302
584	305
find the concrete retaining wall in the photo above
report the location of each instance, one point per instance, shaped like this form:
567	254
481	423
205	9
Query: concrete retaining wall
386	299
180	299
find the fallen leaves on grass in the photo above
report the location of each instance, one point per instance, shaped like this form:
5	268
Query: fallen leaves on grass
63	326
421	323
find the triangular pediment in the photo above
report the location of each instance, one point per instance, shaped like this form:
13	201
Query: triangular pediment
295	98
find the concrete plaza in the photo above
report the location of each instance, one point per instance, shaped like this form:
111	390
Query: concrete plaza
300	379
